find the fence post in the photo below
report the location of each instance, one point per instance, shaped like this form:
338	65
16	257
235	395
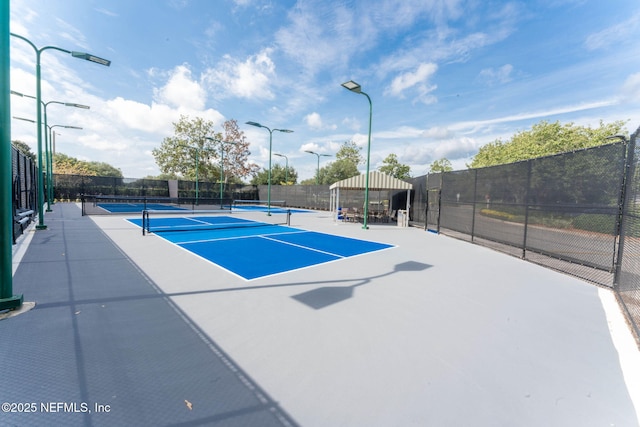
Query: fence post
630	166
475	199
526	210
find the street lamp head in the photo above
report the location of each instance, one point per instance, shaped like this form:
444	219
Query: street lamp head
279	155
72	127
71	104
23	119
352	86
284	130
91	58
255	124
325	155
310	152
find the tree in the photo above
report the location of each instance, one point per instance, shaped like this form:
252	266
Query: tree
345	166
177	154
24	149
104	169
351	152
279	176
544	139
391	166
441	165
67	165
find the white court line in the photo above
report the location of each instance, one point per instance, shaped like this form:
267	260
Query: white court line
303	247
237	237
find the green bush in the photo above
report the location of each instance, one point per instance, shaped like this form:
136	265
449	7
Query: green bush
595	222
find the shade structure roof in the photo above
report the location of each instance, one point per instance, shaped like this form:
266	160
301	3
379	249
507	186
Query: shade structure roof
377	181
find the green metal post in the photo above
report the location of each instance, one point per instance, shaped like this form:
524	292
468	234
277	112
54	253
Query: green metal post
366	179
47	156
8	301
81	55
269	182
270	150
197	188
221	171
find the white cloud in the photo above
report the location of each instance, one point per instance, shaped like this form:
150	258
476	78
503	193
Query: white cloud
492	76
314	121
138	116
321	37
181	91
351	123
106	12
417	81
437	132
248	79
631	88
618	33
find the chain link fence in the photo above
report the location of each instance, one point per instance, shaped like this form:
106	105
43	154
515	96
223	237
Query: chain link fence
627	283
23	191
576	212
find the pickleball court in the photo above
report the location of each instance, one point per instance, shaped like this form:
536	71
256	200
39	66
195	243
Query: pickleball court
253	249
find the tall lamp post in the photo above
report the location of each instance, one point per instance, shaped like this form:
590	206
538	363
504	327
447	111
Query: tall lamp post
355	87
47	141
49	156
8	301
81	55
286	167
318	169
221	162
270	146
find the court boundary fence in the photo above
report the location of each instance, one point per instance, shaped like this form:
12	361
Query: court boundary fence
576	212
24	193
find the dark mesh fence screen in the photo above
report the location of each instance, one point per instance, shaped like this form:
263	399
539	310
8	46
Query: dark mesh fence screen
628	271
23	190
561	211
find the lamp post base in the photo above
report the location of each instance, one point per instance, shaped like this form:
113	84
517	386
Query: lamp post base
11	303
41	227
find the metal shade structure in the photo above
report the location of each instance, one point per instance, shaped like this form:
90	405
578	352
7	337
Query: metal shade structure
374	181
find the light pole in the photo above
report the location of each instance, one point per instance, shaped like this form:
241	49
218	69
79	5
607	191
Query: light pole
81	55
47	142
8	301
221	162
49	150
355	87
270	146
197	151
318	169
286	167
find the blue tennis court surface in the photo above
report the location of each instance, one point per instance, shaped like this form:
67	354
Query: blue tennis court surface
136	207
252	249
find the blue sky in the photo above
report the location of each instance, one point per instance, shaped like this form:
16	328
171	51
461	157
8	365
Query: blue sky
445	76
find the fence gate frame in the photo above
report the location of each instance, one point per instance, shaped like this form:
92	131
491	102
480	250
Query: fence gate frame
432	210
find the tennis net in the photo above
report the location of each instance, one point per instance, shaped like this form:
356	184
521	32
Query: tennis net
162	221
260	205
114	205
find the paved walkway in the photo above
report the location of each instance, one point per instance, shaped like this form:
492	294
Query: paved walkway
134	331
